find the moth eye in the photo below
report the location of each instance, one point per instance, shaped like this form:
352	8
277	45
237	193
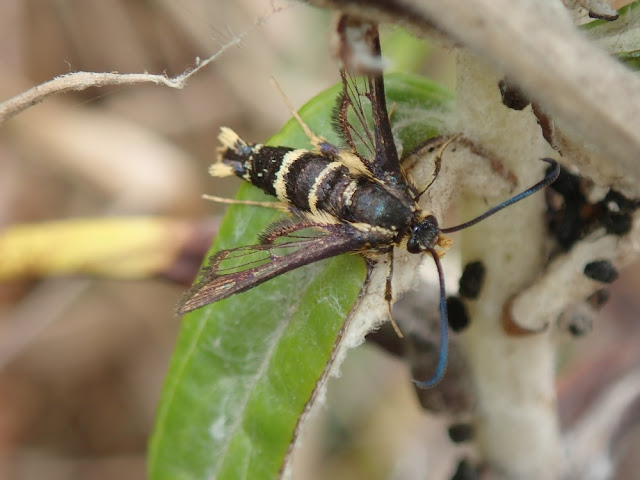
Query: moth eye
432	220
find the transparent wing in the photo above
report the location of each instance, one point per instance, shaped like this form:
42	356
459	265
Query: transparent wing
353	119
240	269
362	120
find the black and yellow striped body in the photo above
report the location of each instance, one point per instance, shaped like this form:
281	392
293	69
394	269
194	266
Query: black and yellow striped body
319	185
359	199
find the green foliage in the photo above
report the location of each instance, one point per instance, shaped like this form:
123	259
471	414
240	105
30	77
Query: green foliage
245	369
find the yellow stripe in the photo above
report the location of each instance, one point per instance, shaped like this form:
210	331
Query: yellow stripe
313	193
354	163
348	192
365	227
279	184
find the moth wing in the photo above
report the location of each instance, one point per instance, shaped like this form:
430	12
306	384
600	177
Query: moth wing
362	120
240	269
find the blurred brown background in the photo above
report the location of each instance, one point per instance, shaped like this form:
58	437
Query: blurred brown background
82	360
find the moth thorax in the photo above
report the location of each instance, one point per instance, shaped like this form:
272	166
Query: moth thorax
423	235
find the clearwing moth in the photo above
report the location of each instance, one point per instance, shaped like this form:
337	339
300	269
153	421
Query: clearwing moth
356	199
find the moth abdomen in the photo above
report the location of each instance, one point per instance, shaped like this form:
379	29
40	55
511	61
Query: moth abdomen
307	180
313	182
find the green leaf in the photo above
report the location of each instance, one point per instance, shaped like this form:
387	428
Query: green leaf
407	52
630	59
620	37
246	368
626	17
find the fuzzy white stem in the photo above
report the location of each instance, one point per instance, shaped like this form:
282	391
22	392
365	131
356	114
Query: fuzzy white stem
517	430
564	282
589	94
536	43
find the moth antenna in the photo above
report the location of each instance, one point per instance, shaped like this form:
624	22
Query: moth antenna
550	177
438	161
392	109
315	139
444	329
320	143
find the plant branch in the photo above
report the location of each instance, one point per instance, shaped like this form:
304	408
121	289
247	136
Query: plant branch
588	93
78	81
564	281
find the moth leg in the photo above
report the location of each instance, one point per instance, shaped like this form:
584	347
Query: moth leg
232	201
392	110
388	294
321	144
438	162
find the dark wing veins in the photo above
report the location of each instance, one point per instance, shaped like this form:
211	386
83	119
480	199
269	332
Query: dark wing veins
240	269
361	119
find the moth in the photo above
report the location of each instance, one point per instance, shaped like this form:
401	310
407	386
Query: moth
355	199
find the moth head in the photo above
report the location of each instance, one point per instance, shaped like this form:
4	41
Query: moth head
423	235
